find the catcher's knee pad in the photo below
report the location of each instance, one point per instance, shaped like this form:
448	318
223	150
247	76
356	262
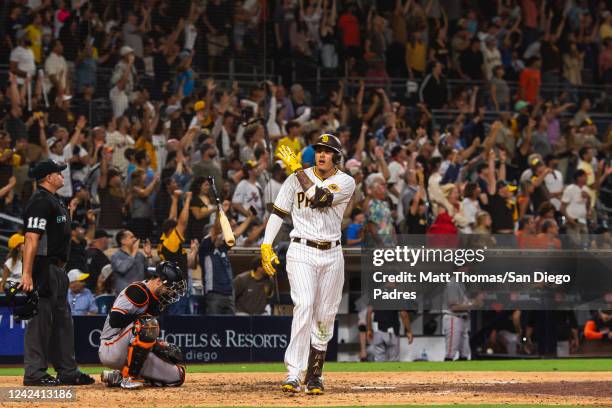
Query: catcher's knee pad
145	331
170	353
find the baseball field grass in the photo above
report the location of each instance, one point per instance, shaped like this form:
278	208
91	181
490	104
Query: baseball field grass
532	365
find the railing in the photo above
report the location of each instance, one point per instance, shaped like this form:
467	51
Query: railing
441	117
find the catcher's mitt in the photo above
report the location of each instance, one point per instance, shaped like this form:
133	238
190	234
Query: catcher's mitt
168	352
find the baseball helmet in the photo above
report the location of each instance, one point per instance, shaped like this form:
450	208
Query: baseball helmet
174	280
329	141
24	306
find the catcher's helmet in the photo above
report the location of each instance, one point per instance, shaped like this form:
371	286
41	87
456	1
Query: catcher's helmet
329	141
24	307
174	280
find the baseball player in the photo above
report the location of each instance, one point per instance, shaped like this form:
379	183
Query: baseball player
129	343
316	199
456	320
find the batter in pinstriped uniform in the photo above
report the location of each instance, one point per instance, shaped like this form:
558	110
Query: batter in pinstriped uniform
316	199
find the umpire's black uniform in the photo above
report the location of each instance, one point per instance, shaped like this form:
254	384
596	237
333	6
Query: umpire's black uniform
49	336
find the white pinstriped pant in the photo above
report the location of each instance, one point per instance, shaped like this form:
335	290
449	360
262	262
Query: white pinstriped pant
316	277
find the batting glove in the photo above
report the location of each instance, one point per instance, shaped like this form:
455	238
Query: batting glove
267	258
291	160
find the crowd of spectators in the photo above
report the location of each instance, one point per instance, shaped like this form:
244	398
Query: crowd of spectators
525	164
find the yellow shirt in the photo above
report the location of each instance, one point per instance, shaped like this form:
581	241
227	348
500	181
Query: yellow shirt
605	31
35	35
16	160
170	249
590	173
294	144
416	55
143	143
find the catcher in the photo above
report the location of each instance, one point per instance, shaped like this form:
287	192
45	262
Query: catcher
129	342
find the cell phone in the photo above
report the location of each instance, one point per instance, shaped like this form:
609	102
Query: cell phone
253	210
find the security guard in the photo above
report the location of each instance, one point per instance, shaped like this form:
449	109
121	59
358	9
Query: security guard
49	336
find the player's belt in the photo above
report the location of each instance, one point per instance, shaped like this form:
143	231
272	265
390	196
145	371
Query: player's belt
316	244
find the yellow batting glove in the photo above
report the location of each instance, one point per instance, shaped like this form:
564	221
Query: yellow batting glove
289	158
267	258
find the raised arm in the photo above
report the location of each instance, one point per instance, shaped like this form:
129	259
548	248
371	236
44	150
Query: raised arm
491	182
183	218
526	145
360	144
145	192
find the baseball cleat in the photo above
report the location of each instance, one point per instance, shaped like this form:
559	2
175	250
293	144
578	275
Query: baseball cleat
291	384
131	383
315	386
111	378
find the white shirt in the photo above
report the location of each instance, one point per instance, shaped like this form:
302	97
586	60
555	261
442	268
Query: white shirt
65	191
24	57
56	65
470	208
191	33
249	194
396	177
318	224
119	143
15	270
159	144
491	58
271	191
576	204
526	175
554	184
119	101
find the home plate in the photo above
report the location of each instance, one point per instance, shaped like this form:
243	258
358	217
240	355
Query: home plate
372	387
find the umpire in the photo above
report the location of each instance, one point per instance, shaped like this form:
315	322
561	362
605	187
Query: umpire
49	336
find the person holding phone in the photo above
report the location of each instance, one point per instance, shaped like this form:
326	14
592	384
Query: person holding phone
129	263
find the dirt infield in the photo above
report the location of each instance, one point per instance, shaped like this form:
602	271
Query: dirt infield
362	389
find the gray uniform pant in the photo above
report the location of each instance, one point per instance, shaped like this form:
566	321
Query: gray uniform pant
113	354
385	347
456	330
49	336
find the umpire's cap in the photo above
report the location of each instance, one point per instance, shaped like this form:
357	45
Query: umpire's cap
329	141
44	168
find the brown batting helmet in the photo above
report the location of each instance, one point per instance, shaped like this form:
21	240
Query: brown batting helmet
329	141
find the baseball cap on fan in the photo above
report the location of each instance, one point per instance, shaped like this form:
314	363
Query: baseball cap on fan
125	50
199	105
15	240
75	275
44	168
100	233
52	141
503	183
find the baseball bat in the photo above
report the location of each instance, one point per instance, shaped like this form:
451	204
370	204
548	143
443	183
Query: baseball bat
226	228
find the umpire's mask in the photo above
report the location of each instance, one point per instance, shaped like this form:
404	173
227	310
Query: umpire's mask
24	305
